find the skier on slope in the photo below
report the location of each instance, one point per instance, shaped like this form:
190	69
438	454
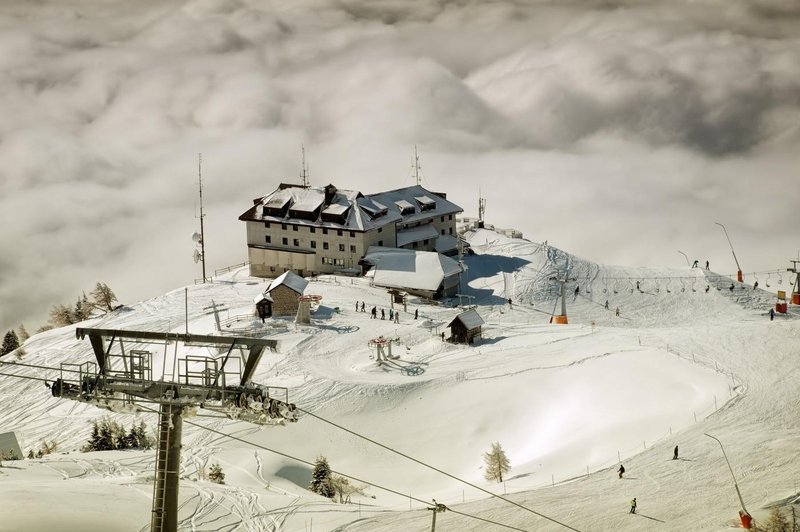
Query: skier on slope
675	453
633	506
621	470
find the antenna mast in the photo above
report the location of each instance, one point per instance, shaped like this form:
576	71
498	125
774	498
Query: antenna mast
202	232
304	168
481	208
416	166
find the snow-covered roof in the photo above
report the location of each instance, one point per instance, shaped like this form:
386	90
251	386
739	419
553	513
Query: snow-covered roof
298	205
416	234
409	269
290	279
469	318
415	197
446	243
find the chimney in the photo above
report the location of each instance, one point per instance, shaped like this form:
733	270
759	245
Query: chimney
330	192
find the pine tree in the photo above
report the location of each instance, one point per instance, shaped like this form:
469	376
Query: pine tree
216	475
102	297
82	309
497	463
321	478
22	333
10	342
777	522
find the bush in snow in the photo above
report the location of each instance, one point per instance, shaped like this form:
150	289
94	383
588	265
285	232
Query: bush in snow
321	482
497	463
108	435
46	448
776	522
216	475
344	490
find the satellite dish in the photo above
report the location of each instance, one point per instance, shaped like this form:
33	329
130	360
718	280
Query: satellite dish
197	256
196	237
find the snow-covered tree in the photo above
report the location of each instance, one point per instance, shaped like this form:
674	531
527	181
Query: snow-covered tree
22	333
103	297
216	475
497	463
343	489
10	342
321	478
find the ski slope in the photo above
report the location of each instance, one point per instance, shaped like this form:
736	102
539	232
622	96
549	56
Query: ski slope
567	403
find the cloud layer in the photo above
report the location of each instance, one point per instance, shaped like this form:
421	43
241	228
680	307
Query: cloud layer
619	131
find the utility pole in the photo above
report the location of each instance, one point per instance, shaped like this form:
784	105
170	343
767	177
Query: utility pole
481	209
739	276
562	318
202	241
436	508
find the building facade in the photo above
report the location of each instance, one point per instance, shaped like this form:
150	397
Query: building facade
312	230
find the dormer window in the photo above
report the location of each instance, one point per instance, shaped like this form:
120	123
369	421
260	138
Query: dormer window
405	207
425	203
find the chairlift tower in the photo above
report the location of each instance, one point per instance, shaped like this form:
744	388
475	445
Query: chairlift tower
796	286
125	380
561	319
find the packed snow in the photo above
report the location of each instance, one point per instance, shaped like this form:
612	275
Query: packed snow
685	356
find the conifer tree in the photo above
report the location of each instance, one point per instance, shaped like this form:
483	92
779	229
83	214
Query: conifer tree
10	342
321	478
103	298
497	463
777	522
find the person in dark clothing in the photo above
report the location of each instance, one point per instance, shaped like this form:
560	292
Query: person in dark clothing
621	470
706	265
509	303
383	314
442	337
606	304
708	287
755	285
731	287
637	286
577	290
356	306
633	506
617	311
362	307
374	313
694	265
675	453
771	314
416	313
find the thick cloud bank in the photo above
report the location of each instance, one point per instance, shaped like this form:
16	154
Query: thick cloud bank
619	131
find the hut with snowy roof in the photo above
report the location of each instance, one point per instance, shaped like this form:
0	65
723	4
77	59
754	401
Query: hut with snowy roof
423	273
465	327
281	298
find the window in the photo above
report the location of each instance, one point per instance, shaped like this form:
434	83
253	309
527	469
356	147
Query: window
338	232
451	230
341	247
324	245
313	229
313	244
442	218
352	234
327	260
294	228
450	217
285	241
324	231
272	269
283	226
442	231
296	242
380	242
338	262
352	248
414	245
426	242
269	239
266	224
380	229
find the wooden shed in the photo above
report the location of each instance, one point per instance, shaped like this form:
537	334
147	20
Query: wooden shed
465	327
284	291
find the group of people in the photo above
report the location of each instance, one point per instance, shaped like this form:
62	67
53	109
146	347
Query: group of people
621	471
695	265
394	315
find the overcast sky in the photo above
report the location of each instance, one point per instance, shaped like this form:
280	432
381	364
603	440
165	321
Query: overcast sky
618	131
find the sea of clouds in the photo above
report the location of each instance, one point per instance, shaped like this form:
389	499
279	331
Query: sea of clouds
619	131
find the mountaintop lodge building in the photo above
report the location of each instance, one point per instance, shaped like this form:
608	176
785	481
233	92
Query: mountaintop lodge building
313	230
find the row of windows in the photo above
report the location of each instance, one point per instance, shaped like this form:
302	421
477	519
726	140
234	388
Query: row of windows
312	229
332	261
296	243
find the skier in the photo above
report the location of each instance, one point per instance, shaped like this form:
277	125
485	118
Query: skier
606	304
633	506
617	311
675	453
706	265
755	285
694	265
416	313
374	313
637	286
708	287
362	307
383	314
621	470
509	303
731	287
771	314
391	314
577	290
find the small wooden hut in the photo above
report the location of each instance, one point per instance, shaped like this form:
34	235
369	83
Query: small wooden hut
285	292
465	327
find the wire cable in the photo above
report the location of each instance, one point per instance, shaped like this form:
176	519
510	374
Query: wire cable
445	473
